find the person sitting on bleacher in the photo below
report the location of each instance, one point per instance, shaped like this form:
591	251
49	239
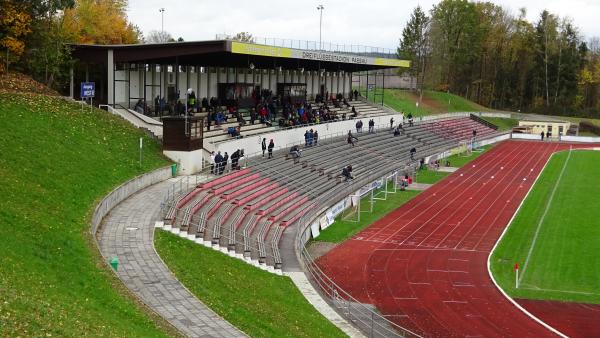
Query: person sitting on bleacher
346	103
347	173
295	152
397	131
220	118
413	151
410	119
354	113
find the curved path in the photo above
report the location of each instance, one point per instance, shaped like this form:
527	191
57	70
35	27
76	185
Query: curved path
128	233
425	264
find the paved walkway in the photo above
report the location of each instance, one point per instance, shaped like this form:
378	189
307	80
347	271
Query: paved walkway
418	186
447	169
128	233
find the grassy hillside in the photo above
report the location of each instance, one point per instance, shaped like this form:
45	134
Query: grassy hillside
56	162
258	302
560	262
432	103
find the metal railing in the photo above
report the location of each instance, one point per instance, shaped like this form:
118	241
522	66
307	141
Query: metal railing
387	53
365	318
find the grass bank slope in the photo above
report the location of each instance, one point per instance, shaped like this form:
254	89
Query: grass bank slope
432	103
258	302
55	163
562	260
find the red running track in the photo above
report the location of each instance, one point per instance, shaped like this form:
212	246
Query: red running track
576	320
424	265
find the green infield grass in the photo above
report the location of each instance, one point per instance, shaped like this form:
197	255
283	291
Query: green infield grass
258	302
56	163
555	236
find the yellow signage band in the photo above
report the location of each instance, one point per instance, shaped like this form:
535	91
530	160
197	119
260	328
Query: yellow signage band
283	52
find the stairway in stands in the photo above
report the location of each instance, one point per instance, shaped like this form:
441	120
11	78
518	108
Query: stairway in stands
247	212
460	129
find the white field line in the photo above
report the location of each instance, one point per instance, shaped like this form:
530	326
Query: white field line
539	225
536	288
517	305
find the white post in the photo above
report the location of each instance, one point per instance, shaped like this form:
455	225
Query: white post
141	145
517	278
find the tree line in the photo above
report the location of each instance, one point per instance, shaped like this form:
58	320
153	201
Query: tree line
481	51
34	34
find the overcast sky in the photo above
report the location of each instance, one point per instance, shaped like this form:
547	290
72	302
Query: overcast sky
370	22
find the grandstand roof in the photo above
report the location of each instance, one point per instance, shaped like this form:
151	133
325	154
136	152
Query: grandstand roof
225	53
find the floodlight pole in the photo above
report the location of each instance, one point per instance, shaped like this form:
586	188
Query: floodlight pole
162	20
320	8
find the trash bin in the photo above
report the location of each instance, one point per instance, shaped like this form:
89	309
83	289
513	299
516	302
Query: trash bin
174	169
114	262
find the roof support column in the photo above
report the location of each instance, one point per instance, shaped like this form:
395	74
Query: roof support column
110	69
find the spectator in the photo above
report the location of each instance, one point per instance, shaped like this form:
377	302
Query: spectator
218	163
413	151
204	104
306	138
224	163
235	157
542	133
351	138
422	163
347	173
547	135
410	119
371	126
354	113
208	120
311	135
212	162
397	131
295	152
392	123
271	146
474	133
316	137
264	146
355	95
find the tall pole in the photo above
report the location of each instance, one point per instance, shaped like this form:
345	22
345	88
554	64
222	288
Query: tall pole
320	8
162	20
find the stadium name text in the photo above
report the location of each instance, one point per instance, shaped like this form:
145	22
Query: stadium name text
333	57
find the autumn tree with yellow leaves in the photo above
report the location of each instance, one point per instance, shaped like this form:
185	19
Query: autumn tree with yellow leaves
34	34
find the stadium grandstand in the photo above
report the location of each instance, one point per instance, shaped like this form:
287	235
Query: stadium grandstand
212	100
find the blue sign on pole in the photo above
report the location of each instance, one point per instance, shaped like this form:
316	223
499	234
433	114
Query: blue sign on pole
88	89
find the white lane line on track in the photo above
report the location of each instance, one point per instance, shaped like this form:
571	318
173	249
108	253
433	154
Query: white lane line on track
548	204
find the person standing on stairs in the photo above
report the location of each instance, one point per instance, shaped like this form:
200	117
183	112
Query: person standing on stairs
271	146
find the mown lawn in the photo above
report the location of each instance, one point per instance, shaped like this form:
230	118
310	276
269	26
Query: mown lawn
433	102
453	103
56	162
403	101
502	123
564	263
430	176
258	302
